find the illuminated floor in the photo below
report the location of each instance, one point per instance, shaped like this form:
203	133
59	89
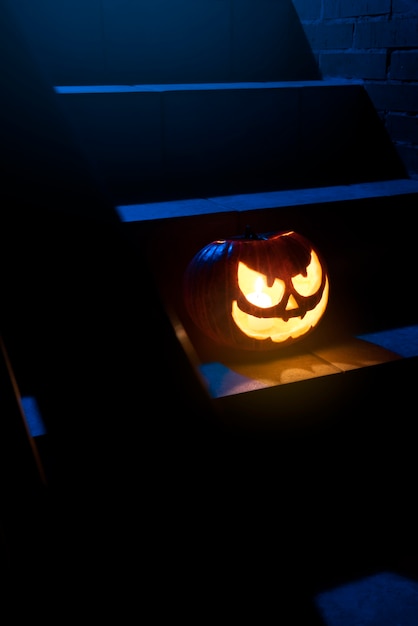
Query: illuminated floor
230	378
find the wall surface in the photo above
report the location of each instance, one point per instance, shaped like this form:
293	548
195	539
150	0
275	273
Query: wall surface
377	41
89	42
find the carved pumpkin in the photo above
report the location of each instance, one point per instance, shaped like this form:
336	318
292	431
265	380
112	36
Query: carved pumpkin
257	292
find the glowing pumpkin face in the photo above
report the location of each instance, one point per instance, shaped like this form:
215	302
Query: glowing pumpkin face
257	292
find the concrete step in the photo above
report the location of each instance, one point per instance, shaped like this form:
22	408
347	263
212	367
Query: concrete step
361	230
159	142
244	203
365	348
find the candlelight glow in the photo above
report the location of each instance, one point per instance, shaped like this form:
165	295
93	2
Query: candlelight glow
262	300
278	329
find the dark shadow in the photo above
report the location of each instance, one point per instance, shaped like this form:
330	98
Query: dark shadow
135	506
85	341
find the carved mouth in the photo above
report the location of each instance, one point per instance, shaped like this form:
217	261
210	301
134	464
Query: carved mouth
292	324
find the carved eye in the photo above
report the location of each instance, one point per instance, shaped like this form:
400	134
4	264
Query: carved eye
253	285
309	284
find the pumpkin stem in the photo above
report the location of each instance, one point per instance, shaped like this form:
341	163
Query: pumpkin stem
249	233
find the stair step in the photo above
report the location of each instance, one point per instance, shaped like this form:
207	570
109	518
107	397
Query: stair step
361	230
159	142
265	200
232	377
220	86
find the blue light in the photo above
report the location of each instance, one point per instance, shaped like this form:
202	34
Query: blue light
385	599
157	87
403	341
33	416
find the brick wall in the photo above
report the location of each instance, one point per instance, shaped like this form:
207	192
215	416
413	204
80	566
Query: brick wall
376	41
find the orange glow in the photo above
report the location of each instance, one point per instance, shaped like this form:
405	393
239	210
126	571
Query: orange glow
253	285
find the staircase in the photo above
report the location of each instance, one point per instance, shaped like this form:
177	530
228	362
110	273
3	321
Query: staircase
226	125
216	117
208	116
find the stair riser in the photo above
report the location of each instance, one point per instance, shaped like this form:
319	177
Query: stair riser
220	141
160	41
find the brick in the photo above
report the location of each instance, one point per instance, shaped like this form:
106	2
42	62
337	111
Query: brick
397	33
354	64
407	7
393	97
402	127
353	8
404	65
329	36
308	9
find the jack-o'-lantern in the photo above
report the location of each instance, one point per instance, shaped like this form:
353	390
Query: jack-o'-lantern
257	292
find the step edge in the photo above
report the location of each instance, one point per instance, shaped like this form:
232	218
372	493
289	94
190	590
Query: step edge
221	86
148	211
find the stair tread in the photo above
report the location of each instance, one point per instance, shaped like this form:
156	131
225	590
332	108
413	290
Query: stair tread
227	377
264	200
156	87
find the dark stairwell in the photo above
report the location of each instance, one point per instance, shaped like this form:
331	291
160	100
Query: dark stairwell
199	118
